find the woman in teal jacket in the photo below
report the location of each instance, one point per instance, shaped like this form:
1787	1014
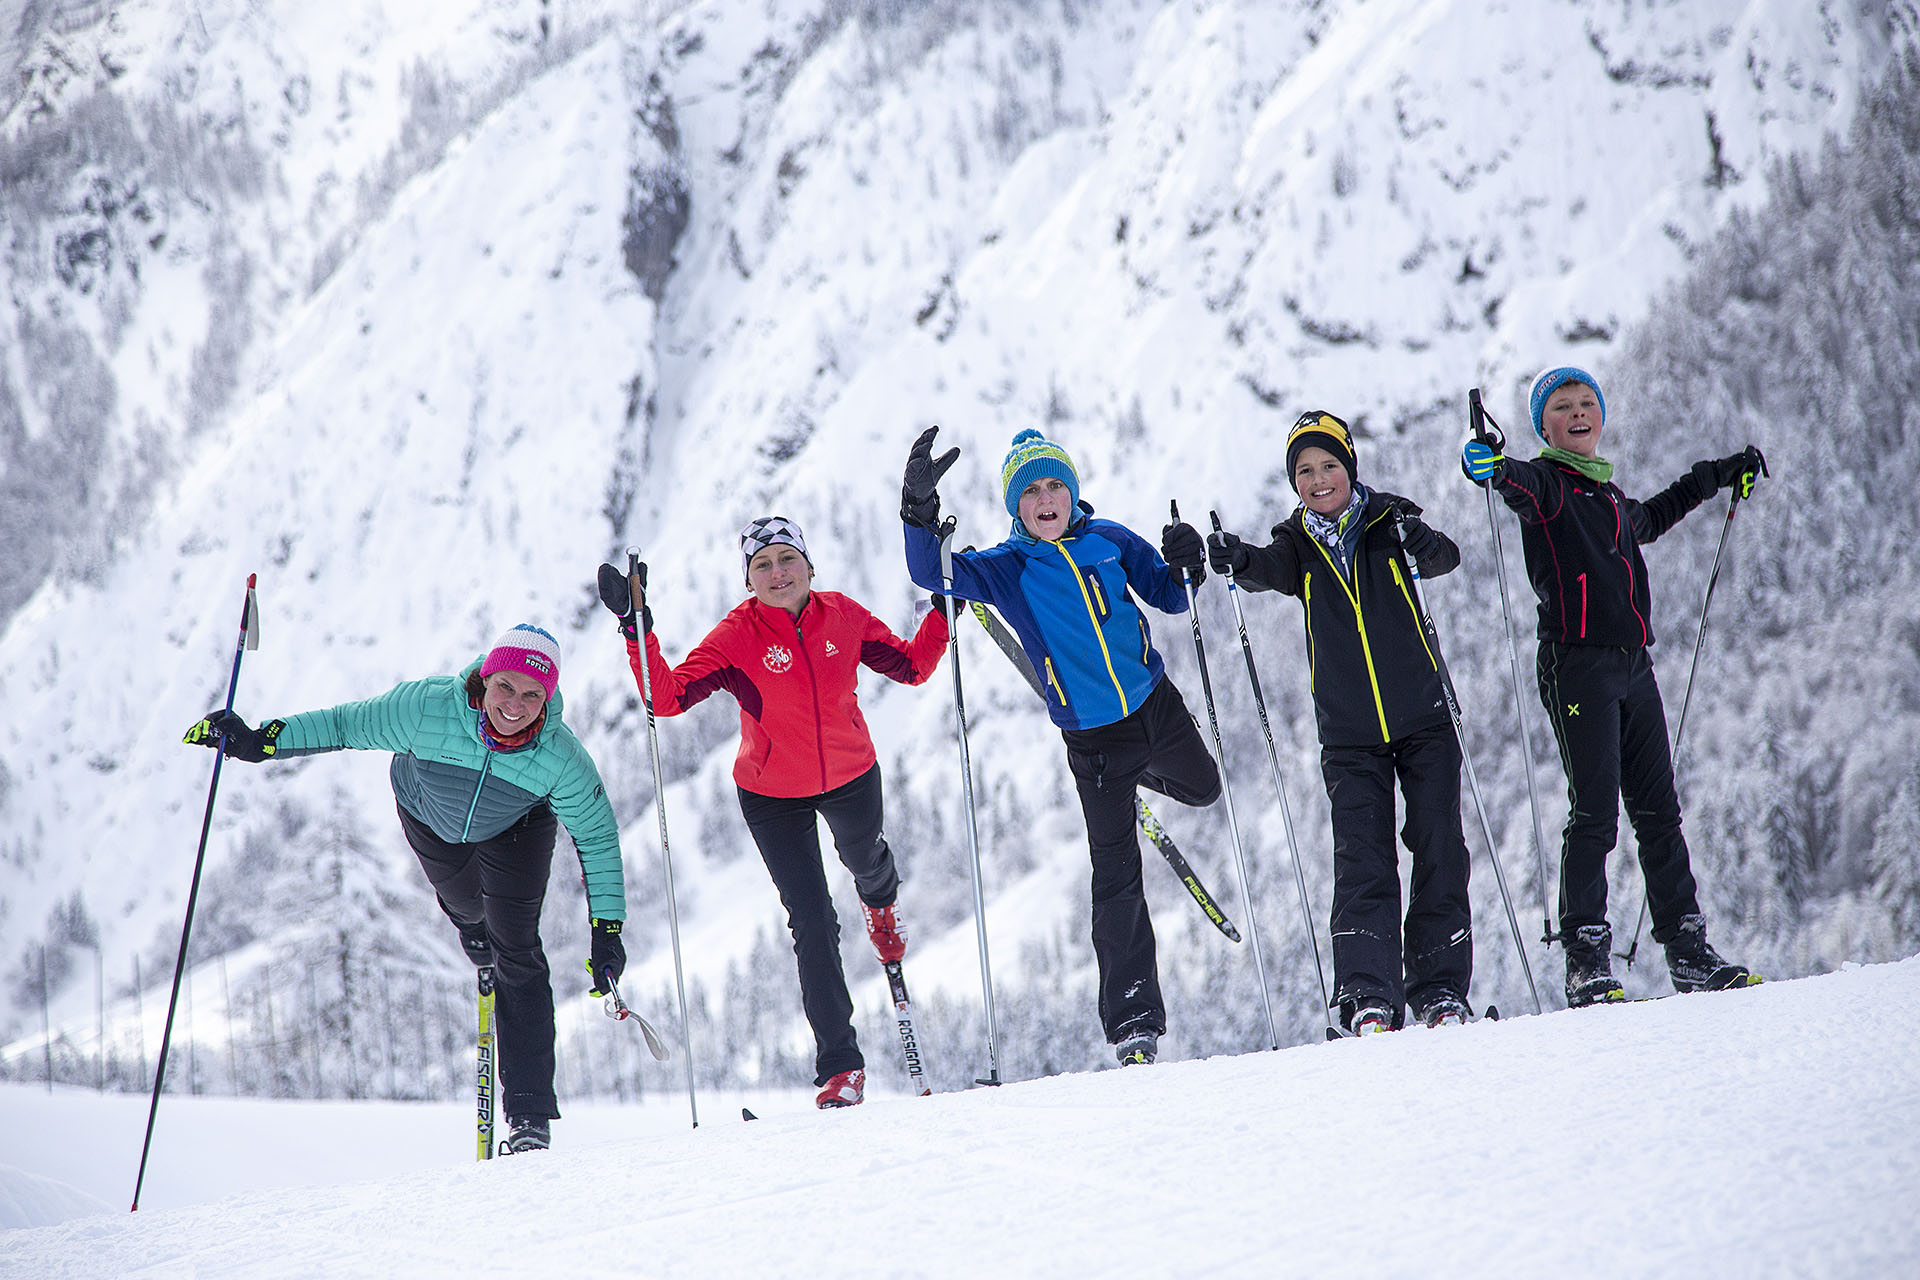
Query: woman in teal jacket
482	766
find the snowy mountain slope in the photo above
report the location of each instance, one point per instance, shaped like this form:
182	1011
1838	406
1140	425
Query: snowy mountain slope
1739	1135
1160	230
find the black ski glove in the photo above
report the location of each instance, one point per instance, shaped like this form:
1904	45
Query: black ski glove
225	729
1740	471
609	956
1416	539
1182	547
1226	553
617	594
919	490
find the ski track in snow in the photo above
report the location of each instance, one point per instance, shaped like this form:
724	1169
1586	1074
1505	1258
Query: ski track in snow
1755	1133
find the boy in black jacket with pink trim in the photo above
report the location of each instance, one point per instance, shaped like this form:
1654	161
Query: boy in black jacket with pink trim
1582	537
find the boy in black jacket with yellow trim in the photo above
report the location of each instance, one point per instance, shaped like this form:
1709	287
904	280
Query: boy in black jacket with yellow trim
1381	713
1582	537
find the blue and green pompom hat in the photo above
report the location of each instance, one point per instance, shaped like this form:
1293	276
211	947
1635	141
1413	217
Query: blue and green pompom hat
1032	456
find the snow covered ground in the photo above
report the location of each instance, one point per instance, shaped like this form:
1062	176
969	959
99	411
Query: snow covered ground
1760	1133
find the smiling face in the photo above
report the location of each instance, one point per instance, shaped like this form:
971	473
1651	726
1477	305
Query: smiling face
1571	418
1046	508
1321	480
512	702
780	577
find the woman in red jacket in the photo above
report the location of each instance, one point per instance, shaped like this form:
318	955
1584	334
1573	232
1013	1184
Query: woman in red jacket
790	656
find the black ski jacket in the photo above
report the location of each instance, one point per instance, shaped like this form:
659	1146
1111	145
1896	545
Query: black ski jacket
1582	542
1374	678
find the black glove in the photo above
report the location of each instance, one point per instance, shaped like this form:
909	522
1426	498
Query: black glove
1739	471
227	730
609	956
617	594
1182	547
938	601
919	490
1417	540
1227	554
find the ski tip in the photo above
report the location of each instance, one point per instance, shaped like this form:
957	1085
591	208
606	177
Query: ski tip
1233	934
1492	1014
1334	1033
747	1115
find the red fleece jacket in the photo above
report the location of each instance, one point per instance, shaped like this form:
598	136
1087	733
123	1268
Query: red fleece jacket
801	731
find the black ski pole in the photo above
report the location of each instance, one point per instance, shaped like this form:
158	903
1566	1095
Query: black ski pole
1686	700
637	594
1226	790
1478	418
945	534
1466	756
249	639
1279	789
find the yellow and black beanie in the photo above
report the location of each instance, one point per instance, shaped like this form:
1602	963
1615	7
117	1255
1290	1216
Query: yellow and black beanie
1319	429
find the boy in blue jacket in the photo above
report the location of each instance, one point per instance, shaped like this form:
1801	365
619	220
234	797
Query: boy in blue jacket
1581	535
1066	583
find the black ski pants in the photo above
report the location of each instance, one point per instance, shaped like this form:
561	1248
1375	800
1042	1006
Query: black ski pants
502	883
1158	747
1374	957
1612	731
787	831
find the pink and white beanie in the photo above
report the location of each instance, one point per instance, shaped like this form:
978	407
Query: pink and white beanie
526	650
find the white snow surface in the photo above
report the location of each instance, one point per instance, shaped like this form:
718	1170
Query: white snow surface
1759	1133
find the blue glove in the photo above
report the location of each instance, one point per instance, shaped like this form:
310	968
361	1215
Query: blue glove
1480	461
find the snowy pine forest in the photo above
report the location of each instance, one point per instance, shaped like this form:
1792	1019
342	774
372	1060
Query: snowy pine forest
420	311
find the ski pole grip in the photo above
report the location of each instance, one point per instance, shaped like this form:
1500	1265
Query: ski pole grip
1215	516
1476	414
636	594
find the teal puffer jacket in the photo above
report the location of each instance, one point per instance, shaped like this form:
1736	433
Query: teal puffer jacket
444	775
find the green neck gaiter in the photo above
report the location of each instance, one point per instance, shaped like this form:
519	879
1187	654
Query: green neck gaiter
1598	470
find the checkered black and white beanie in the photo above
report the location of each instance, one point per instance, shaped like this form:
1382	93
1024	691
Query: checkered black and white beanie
769	531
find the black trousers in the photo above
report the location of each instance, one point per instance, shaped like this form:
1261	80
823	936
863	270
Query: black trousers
1374	957
1612	732
788	835
502	883
1158	747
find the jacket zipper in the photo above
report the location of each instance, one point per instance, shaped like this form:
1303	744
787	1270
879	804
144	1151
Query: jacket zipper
486	767
1094	618
819	737
1360	622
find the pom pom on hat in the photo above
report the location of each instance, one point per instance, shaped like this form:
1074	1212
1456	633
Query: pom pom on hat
528	651
1031	457
1551	380
1317	429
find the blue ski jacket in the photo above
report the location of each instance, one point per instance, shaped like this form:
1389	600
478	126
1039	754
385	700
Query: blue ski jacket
1072	604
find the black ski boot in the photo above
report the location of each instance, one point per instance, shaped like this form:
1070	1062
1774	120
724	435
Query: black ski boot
1137	1048
527	1133
1695	966
1444	1010
1590	977
474	941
